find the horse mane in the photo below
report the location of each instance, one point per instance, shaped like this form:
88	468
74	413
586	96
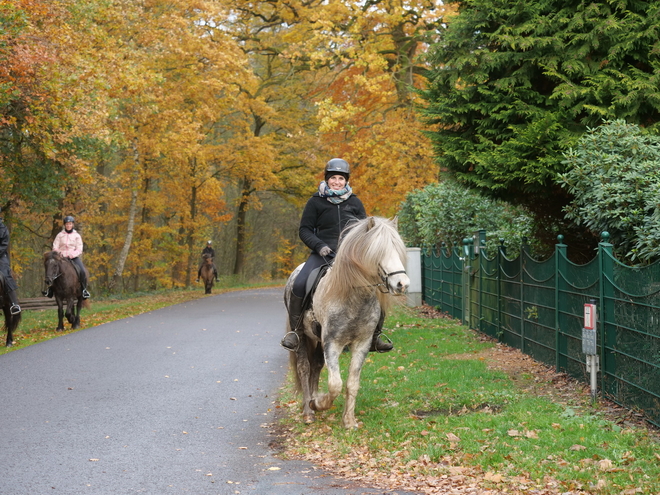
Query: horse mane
53	255
356	267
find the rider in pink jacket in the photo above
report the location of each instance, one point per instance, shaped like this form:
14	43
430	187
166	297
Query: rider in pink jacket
70	245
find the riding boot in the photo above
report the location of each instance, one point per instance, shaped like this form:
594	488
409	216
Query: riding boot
48	292
292	339
378	345
15	308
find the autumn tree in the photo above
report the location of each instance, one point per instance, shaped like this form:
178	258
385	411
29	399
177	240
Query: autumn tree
274	148
46	108
368	108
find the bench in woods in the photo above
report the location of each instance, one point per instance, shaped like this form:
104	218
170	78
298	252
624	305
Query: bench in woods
35	303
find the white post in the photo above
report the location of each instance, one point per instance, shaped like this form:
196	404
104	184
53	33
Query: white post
414	270
589	345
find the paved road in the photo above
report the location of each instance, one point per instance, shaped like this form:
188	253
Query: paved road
176	401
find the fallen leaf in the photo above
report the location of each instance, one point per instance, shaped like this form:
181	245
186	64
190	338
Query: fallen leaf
513	433
274	468
494	477
578	447
453	438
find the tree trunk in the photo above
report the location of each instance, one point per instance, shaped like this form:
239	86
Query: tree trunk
190	234
240	226
132	212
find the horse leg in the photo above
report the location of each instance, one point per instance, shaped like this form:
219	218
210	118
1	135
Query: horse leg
324	402
316	366
352	386
60	316
8	326
76	314
69	312
303	369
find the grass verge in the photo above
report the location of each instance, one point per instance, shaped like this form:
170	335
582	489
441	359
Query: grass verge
437	419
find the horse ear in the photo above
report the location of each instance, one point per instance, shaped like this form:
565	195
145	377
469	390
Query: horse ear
371	223
395	222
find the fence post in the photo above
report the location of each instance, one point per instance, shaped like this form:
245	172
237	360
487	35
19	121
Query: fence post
560	267
501	252
481	235
521	271
414	268
466	281
606	313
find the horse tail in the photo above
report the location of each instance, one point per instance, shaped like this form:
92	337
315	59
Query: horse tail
86	304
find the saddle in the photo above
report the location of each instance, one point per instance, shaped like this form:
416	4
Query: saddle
75	267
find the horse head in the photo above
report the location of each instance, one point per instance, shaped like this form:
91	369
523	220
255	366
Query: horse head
391	254
52	261
392	267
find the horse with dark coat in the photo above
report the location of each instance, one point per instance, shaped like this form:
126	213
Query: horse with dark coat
62	278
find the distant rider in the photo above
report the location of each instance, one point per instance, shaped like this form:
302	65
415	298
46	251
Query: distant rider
208	249
70	245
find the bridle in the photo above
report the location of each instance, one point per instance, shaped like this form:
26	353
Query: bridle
59	272
384	276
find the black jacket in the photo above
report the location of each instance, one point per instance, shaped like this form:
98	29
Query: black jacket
322	221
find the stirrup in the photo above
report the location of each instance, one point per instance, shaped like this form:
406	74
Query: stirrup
15	309
85	294
389	343
292	349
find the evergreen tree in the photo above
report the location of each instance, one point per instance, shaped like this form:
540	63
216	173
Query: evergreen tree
515	84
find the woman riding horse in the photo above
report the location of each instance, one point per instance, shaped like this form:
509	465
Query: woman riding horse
5	269
208	250
70	245
326	214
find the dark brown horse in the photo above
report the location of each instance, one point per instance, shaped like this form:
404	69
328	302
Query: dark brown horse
207	272
62	277
11	321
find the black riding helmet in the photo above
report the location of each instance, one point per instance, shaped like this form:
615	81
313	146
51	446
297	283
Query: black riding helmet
68	218
337	166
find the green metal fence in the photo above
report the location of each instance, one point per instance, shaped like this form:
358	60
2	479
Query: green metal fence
538	307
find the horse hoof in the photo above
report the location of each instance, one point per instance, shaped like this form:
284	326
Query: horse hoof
308	419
